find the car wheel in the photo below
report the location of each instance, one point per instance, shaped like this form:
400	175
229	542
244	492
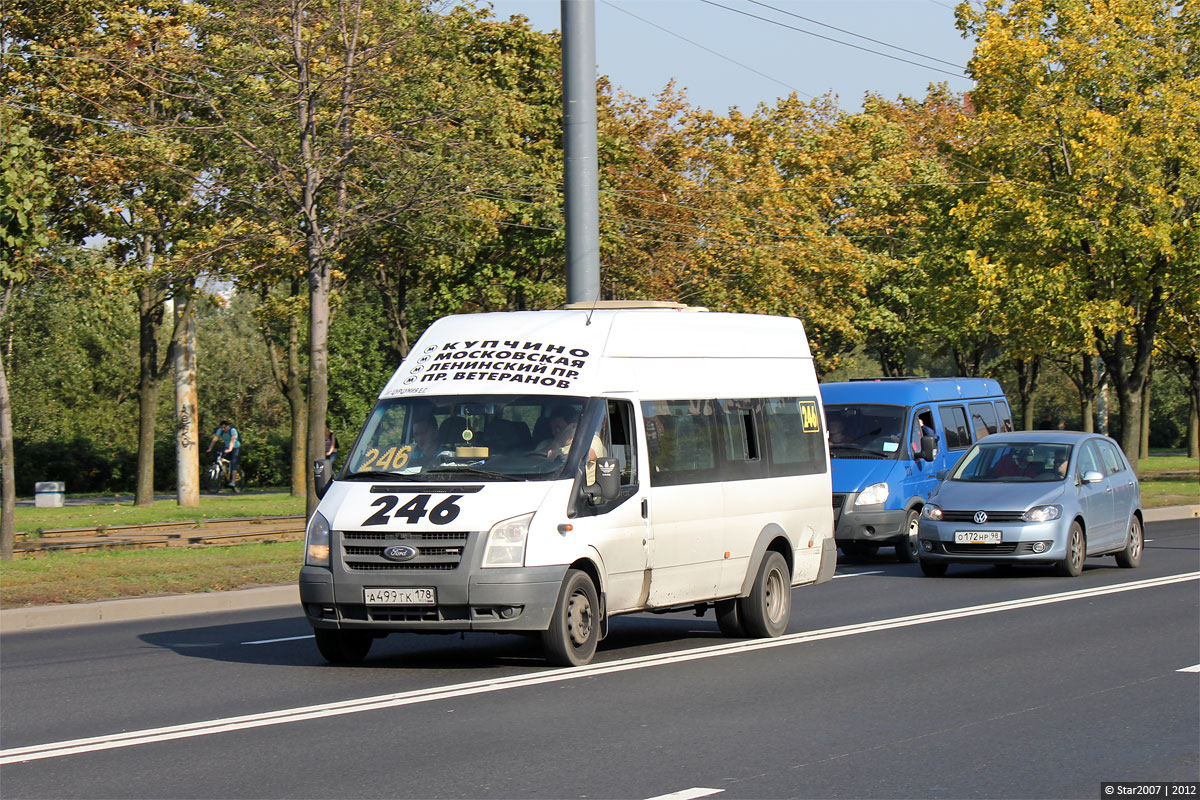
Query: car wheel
1131	556
729	617
1072	565
765	613
933	569
342	647
906	551
861	551
574	630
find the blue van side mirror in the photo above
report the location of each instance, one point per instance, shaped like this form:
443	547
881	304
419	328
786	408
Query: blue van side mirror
929	448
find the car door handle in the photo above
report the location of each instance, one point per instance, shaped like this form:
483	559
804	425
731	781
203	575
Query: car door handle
645	508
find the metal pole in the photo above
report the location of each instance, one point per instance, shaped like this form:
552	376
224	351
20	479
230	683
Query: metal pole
581	179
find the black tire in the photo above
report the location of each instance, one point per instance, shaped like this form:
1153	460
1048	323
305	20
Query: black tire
766	612
1072	565
729	617
212	479
907	550
574	630
238	480
863	551
933	569
343	647
1131	556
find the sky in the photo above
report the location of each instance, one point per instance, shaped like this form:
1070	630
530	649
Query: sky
746	52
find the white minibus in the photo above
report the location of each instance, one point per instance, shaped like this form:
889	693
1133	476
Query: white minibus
544	471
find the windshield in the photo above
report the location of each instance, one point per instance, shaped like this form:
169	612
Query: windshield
865	431
1010	462
488	437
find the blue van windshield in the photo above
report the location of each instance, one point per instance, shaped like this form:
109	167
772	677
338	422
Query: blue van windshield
865	431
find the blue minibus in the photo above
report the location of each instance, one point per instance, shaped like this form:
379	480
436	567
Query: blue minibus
888	440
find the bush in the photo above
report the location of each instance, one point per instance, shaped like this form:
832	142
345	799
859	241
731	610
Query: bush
88	467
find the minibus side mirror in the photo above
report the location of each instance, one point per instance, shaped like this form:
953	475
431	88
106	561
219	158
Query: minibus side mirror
929	449
608	478
322	475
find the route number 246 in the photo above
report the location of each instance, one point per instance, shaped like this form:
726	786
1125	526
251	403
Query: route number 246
414	510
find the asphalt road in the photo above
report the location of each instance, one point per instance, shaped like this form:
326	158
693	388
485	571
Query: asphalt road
985	683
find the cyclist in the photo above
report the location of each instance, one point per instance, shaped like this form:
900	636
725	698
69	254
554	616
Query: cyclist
231	447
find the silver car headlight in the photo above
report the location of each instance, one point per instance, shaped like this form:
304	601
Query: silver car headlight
872	495
506	542
930	511
1042	513
316	542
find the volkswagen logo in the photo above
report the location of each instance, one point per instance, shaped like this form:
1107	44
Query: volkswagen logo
980	518
400	552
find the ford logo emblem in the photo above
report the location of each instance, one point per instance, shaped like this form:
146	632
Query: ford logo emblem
980	518
400	552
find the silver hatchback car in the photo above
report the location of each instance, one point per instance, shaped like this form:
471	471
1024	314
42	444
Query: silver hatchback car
1034	497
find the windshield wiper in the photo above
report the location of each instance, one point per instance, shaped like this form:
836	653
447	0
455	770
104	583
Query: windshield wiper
375	475
448	468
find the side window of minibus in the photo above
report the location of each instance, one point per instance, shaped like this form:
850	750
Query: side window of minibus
983	418
954	423
1006	423
623	446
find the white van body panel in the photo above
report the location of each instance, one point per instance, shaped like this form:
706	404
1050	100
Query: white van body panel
663	546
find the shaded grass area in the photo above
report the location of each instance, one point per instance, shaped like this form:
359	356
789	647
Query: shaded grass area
124	512
109	574
1169	481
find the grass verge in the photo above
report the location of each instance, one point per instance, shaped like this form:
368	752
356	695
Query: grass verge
1169	481
109	574
123	512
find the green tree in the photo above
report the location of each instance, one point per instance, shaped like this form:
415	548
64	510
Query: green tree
24	195
1087	121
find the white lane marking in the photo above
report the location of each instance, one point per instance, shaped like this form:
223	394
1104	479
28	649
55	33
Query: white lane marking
856	574
132	738
687	794
284	639
1195	668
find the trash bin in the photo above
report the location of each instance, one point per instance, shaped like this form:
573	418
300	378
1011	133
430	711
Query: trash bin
49	494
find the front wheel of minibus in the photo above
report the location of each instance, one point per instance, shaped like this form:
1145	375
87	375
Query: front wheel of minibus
765	613
574	630
342	647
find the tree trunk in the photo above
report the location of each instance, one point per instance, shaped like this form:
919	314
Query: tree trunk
150	313
318	366
1027	375
1144	428
8	481
187	432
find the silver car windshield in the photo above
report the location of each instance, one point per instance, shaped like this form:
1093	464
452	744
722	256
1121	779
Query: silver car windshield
865	431
1041	462
488	437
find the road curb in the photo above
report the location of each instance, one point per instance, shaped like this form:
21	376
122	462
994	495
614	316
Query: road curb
23	619
132	608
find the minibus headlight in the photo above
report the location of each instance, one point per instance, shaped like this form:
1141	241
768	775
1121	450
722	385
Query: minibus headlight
930	511
316	542
1043	513
872	495
506	543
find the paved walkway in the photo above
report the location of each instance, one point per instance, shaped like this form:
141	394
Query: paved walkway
284	596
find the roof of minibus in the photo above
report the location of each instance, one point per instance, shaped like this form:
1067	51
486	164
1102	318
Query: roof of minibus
909	391
489	352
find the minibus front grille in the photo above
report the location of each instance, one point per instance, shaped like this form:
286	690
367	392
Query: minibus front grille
362	551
